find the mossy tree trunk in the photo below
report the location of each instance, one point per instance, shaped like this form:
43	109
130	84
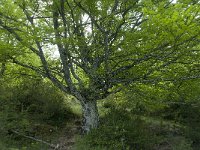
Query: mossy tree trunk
90	116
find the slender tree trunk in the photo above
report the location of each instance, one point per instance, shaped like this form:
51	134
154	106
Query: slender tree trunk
90	116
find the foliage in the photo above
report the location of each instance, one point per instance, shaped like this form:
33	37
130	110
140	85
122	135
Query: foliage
187	114
31	107
144	54
103	46
120	130
181	104
124	130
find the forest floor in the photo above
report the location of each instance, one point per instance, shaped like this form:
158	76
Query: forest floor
66	139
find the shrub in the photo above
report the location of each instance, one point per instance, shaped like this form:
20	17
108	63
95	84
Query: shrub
121	130
29	104
41	100
188	116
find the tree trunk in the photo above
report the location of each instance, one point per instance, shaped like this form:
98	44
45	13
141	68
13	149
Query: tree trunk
90	116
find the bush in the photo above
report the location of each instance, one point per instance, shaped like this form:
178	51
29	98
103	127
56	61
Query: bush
41	100
31	107
120	130
188	116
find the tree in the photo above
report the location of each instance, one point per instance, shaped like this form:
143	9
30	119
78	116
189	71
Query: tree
102	45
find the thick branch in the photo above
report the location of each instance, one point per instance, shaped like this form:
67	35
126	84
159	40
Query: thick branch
65	58
54	80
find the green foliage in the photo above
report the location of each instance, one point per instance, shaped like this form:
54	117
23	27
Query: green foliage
150	46
183	109
188	115
109	43
172	108
31	107
175	143
39	99
120	130
10	145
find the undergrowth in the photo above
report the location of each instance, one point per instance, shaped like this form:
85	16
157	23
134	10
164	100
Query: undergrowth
122	130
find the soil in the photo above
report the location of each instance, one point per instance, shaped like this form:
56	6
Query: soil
67	138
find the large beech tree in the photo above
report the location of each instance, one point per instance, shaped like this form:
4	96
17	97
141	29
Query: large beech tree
102	45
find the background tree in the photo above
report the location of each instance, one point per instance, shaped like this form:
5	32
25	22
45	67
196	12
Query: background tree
102	45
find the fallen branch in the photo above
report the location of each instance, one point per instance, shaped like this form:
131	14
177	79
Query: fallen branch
35	139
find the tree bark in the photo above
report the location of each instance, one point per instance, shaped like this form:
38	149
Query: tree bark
90	116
